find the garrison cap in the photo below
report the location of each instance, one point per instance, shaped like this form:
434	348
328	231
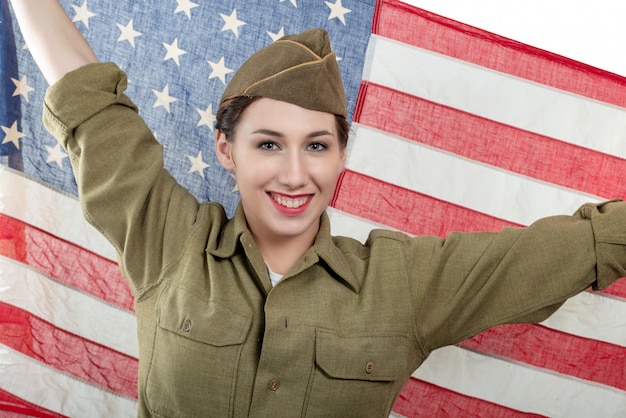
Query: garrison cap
299	69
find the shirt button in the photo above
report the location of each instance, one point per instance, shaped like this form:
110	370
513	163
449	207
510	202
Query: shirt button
187	325
273	385
369	367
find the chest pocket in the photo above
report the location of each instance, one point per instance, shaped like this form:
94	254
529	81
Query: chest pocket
357	375
203	321
196	354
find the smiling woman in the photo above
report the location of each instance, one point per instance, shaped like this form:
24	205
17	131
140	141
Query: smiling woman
287	160
267	313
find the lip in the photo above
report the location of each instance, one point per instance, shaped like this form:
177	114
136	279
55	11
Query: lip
301	203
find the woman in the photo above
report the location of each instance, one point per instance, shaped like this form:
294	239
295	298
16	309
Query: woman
267	314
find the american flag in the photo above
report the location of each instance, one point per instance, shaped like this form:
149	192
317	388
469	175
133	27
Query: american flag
453	129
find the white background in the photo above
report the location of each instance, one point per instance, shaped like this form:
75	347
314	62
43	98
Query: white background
593	32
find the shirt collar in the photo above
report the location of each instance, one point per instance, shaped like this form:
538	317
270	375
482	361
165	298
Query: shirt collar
324	247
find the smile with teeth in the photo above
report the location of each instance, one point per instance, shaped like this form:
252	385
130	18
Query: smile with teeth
289	202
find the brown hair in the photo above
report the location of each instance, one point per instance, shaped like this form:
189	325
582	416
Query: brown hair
230	111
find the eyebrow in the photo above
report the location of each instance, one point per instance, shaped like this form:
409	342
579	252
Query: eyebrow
277	134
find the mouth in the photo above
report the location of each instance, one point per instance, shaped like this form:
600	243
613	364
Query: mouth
290	202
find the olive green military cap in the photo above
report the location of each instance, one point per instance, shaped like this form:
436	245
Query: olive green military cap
299	69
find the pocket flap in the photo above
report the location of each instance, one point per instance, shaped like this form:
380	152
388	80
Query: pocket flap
204	321
369	357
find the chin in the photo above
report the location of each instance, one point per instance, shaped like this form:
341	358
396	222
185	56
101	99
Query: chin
291	232
294	228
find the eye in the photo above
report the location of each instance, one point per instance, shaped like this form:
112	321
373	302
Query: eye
268	146
317	146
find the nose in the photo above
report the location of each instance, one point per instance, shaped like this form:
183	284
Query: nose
293	171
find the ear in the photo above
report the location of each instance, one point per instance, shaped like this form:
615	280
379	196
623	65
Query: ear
223	150
343	157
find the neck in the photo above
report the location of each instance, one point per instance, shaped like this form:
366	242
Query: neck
282	257
282	254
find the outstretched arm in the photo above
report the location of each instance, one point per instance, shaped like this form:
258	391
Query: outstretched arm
55	43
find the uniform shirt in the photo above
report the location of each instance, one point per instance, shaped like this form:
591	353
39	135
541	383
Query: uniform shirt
344	329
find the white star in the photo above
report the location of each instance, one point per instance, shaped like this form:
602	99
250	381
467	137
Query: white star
173	52
337	10
232	23
277	36
197	165
185	6
56	155
206	117
292	2
82	14
12	135
219	70
128	33
22	87
163	98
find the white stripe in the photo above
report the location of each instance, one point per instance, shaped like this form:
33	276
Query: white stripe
497	96
52	211
78	313
521	387
347	225
594	316
461	181
44	386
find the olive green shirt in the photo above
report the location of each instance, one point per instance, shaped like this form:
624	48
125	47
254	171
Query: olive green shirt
345	328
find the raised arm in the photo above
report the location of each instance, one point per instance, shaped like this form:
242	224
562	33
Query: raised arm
55	43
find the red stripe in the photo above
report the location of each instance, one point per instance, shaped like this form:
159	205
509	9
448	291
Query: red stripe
67	352
546	348
64	261
14	406
405	210
422	399
408	24
617	289
490	142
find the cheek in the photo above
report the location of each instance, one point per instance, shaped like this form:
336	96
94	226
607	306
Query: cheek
251	171
328	174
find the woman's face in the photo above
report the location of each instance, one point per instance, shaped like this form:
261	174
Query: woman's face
286	160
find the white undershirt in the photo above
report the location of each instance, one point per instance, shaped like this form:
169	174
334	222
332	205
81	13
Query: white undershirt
274	277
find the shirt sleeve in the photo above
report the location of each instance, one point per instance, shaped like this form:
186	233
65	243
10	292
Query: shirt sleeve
468	282
124	189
